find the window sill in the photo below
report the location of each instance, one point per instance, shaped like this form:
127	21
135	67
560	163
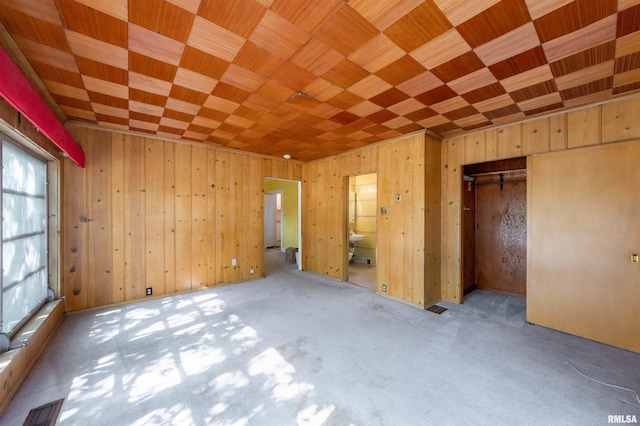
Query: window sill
31	340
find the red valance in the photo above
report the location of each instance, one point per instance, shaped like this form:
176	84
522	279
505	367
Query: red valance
16	89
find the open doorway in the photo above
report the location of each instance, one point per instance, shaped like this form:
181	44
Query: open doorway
273	229
494	227
283	219
362	230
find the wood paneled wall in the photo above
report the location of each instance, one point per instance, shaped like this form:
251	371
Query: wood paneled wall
403	237
170	216
600	124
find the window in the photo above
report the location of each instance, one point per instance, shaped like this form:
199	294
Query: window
24	235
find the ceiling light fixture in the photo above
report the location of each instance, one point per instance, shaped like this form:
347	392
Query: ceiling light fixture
287	156
298	93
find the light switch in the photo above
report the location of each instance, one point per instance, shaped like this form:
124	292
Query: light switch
634	258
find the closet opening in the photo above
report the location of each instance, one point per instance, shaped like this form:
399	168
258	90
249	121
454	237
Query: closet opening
494	227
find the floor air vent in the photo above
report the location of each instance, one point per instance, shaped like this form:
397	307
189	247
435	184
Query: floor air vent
44	415
436	309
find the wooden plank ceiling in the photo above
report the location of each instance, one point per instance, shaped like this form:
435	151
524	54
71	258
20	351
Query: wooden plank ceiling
318	77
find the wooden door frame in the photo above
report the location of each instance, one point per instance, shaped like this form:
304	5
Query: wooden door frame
463	229
346	226
344	264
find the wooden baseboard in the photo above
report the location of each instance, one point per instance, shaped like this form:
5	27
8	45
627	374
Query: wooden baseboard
470	289
497	290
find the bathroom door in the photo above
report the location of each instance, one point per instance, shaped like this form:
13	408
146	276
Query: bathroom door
270	226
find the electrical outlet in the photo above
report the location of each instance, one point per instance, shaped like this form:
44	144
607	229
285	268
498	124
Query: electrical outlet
234	262
149	291
398	198
384	288
634	258
251	272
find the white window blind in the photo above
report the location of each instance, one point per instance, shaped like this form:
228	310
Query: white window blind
24	235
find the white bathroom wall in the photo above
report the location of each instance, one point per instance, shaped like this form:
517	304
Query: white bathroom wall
366	216
352	203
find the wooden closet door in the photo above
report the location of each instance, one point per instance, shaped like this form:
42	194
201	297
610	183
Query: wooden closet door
583	230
